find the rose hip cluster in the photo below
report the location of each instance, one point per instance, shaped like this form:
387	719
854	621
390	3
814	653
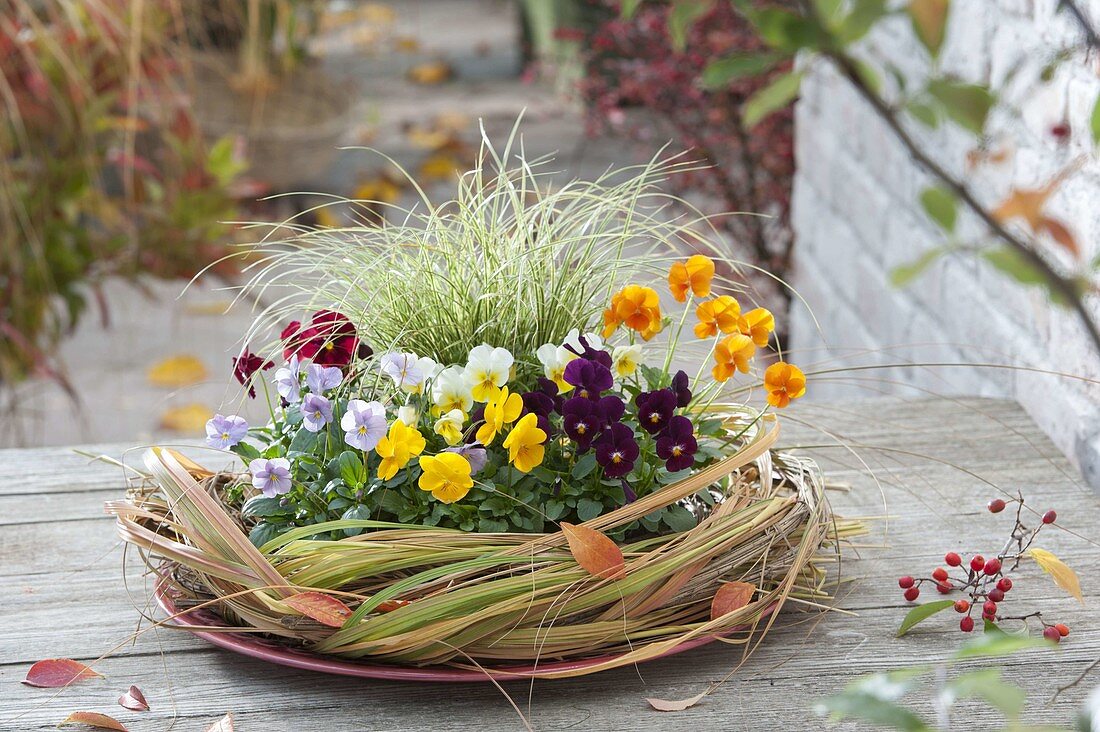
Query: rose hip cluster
985	581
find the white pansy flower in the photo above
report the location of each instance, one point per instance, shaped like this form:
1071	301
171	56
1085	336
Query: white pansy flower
450	390
625	359
487	369
408	415
573	341
554	359
404	369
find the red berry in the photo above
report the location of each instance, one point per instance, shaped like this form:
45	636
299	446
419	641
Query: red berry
1004	584
996	505
952	559
977	563
1051	634
996	595
1063	629
1060	131
989	608
993	566
939	574
961	606
905	582
912	593
1050	517
966	624
943	587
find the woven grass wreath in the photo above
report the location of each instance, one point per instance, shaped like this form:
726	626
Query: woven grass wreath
485	449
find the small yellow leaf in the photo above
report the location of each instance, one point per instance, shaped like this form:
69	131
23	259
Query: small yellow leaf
431	73
190	418
1063	576
177	371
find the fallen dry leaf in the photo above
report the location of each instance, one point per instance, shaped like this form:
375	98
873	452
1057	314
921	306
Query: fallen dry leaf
388	606
134	700
225	724
594	551
679	705
189	418
323	608
431	73
176	371
53	673
94	719
1063	576
730	596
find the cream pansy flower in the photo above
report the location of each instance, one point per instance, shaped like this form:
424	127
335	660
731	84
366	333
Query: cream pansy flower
573	341
487	370
625	359
554	359
450	390
449	426
408	415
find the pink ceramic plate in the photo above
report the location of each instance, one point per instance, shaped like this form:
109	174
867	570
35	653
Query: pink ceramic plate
265	649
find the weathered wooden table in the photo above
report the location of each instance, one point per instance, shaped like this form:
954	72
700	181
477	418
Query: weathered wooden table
62	595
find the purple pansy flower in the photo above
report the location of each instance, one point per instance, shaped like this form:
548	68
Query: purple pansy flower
550	389
538	402
364	424
677	444
316	412
655	409
320	378
680	388
288	381
224	432
610	409
591	378
588	352
581	422
270	476
474	453
616	450
628	492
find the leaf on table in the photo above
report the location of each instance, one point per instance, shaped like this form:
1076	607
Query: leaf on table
431	73
189	418
53	673
93	719
134	700
225	724
1063	576
177	371
730	596
679	705
323	608
599	555
382	188
921	613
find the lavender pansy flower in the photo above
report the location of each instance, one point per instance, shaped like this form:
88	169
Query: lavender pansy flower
680	388
590	377
288	381
270	476
616	450
655	409
677	444
316	412
364	424
403	368
474	453
320	378
224	432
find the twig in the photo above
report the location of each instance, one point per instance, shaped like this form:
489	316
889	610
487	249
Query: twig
1076	681
1091	38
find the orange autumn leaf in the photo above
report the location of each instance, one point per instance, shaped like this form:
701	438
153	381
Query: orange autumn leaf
190	418
93	719
595	552
1058	231
388	606
1028	204
730	596
323	608
431	73
53	673
176	371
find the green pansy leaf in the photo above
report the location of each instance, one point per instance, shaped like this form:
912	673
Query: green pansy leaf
679	519
584	465
262	533
587	509
921	613
261	506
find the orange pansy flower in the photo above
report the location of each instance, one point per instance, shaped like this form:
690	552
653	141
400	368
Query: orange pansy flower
720	314
758	325
637	308
784	382
732	352
694	274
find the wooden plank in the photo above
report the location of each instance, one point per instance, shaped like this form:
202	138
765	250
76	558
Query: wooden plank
61	581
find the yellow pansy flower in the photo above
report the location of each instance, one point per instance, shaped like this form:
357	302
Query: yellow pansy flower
446	475
449	426
502	409
400	445
525	444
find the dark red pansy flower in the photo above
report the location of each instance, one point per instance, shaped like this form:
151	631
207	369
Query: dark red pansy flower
655	409
616	450
247	364
680	388
329	339
677	444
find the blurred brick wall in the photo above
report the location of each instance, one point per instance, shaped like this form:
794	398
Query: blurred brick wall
856	217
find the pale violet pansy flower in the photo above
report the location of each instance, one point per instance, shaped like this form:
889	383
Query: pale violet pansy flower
270	476
625	359
288	381
408	415
573	341
320	378
450	390
316	412
364	424
224	432
487	369
475	454
554	360
405	369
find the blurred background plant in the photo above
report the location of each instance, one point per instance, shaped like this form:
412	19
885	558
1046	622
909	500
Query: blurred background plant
103	172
